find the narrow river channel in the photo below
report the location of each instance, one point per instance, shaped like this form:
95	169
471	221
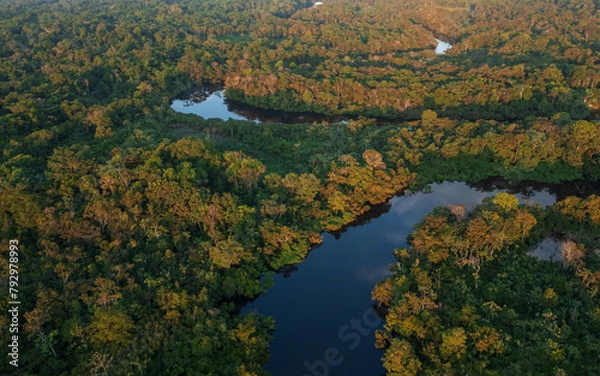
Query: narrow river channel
324	306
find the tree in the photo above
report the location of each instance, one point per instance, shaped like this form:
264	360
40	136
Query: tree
228	252
98	118
487	340
243	169
400	359
454	343
373	159
572	253
383	293
110	330
459	211
506	201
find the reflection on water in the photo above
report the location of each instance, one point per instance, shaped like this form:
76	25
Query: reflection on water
211	103
551	192
548	249
208	105
322	304
442	47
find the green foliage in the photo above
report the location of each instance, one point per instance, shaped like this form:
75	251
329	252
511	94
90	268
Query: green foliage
470	312
140	226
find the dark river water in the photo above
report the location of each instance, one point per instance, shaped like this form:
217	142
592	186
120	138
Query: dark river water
324	317
322	307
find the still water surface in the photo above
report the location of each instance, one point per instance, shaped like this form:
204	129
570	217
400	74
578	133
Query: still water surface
209	107
323	309
209	103
442	47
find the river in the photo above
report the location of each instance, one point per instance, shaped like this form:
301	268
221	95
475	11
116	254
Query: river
322	307
208	104
211	103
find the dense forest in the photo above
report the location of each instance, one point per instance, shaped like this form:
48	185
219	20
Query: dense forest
140	230
466	298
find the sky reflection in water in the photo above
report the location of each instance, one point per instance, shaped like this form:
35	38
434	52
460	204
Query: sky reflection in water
332	287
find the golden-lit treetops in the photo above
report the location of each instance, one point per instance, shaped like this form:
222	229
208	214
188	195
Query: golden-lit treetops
467	298
137	241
